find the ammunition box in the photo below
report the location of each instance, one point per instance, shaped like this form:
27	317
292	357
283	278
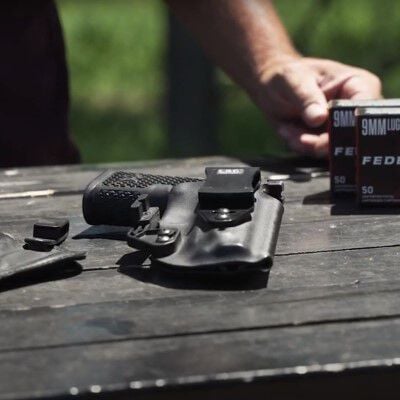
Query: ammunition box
342	139
378	156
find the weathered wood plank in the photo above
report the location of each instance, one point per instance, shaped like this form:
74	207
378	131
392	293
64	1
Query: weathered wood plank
274	166
74	179
304	237
66	206
70	287
314	194
200	359
187	163
341	235
29	210
342	267
199	327
223	312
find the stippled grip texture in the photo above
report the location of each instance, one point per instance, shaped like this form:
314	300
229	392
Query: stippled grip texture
123	179
107	200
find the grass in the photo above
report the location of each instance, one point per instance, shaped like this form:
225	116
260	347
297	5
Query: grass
116	53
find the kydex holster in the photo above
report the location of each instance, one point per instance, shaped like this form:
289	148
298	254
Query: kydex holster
228	222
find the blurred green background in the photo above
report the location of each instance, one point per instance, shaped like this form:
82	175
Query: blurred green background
116	53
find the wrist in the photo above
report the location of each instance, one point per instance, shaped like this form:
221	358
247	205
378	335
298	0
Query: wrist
273	66
276	64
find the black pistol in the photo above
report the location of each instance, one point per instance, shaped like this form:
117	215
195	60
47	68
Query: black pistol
228	222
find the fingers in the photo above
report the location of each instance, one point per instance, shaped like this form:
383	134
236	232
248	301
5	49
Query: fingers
362	87
300	86
296	97
304	143
318	145
291	135
347	82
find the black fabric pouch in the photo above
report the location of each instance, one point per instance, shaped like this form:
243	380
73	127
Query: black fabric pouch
15	260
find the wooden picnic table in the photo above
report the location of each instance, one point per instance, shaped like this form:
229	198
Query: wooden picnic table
326	322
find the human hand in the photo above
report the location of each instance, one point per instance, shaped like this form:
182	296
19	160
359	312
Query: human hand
294	94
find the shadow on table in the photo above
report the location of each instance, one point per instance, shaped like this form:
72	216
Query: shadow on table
135	266
45	274
319	198
303	169
289	165
103	232
347	206
353	209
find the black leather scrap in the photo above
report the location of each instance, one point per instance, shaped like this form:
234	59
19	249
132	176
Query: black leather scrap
15	260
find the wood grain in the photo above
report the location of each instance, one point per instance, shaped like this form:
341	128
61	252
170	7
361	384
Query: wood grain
328	312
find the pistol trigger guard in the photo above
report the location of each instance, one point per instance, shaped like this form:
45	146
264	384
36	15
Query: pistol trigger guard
148	235
159	242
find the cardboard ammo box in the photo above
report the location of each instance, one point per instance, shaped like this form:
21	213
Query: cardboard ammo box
378	156
342	142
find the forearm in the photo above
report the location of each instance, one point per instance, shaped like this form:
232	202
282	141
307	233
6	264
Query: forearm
247	39
242	36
